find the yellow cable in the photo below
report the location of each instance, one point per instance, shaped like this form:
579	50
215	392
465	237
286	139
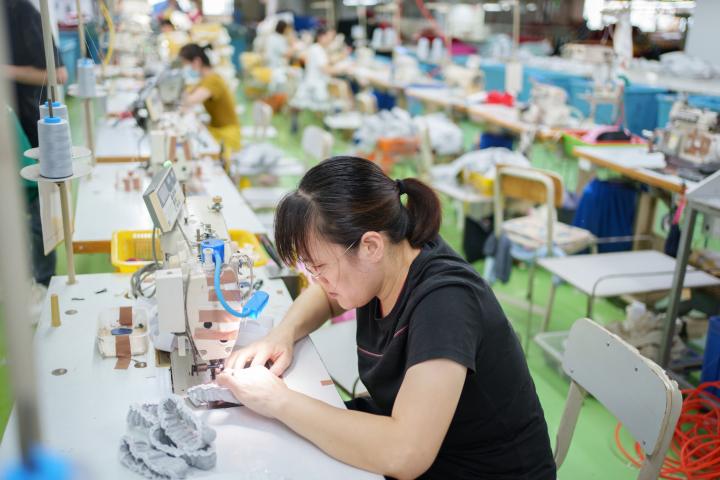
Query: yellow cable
111	32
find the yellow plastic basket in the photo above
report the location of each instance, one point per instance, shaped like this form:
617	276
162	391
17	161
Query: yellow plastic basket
131	250
243	237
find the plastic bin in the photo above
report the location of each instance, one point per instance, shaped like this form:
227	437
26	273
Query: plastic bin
494	76
573	138
711	359
641	105
558	79
132	250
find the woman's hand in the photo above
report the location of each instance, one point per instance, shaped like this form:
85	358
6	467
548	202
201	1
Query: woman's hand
275	347
256	388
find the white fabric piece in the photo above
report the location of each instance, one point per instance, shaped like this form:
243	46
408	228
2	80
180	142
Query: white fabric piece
256	158
446	138
210	392
395	123
480	161
312	92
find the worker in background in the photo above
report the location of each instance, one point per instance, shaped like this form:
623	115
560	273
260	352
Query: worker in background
278	51
277	46
27	70
171	40
312	92
209	89
451	396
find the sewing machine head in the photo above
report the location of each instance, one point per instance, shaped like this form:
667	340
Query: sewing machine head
547	106
205	288
691	138
468	80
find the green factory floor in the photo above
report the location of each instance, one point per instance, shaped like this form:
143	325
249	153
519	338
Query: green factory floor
593	454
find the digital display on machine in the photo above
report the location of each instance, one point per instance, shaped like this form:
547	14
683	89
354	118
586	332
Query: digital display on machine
166	187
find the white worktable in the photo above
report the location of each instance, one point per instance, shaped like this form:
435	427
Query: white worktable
82	413
623	273
633	162
124	141
104	207
337	346
443	96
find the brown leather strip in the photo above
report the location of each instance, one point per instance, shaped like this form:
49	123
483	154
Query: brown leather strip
326	383
122	351
229	295
226	277
208	334
216	316
126	316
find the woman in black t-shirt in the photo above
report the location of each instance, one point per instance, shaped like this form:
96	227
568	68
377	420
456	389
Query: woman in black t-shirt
451	396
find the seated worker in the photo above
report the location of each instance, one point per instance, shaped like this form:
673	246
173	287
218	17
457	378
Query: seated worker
451	396
171	40
211	90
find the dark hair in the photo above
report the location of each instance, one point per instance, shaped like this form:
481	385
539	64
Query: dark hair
320	32
191	51
280	27
166	22
343	197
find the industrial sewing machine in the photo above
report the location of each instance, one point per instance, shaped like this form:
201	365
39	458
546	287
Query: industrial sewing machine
548	106
204	284
690	141
468	80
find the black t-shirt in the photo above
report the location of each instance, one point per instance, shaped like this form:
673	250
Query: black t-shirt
445	310
27	49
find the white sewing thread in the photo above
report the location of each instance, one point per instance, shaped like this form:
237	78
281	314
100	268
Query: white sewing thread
86	77
59	110
55	148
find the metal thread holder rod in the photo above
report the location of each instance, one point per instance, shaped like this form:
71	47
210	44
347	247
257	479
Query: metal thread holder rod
52	85
87	102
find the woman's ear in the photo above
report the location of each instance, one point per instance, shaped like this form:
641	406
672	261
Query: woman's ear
372	247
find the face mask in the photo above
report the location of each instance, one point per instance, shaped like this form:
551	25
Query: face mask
190	74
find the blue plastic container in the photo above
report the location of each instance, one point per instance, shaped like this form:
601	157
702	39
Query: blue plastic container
641	107
551	77
711	359
579	87
494	76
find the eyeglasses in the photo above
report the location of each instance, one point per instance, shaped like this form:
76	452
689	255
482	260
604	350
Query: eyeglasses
316	273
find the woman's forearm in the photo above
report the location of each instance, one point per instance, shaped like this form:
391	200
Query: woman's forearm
25	74
363	440
310	309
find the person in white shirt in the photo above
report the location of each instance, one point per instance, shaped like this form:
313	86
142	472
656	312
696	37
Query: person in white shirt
312	92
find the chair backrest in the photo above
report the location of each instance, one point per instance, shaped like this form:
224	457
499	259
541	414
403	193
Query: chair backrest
634	389
531	184
366	102
316	143
340	90
427	157
262	117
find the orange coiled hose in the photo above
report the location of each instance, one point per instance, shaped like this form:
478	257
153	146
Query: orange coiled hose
695	449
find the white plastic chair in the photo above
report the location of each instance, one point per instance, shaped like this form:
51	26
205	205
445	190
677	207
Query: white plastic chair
261	129
538	187
316	143
634	389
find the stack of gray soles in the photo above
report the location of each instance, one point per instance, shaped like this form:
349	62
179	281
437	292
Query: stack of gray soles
165	440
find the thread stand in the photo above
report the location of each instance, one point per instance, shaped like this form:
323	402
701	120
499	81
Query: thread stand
32	173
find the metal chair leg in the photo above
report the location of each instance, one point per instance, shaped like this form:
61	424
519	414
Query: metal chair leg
528	326
548	310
